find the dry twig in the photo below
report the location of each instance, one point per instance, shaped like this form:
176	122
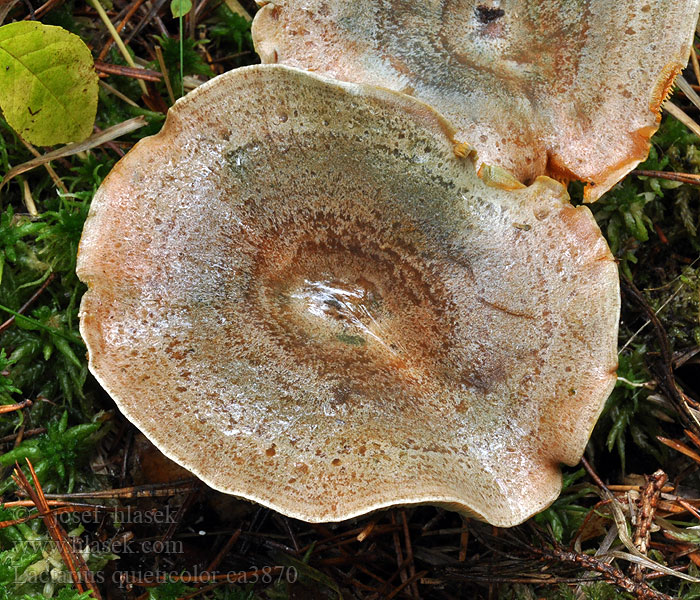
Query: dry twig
648	503
74	561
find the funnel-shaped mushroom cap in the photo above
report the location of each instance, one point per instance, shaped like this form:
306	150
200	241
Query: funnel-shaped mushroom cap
567	89
300	293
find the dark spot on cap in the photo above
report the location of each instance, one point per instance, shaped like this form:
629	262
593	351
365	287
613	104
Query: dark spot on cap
487	14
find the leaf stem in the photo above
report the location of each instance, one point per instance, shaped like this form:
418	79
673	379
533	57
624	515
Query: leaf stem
182	59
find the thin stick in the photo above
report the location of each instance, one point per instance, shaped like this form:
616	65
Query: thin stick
403	563
680	447
144	491
200	591
184	507
51	523
61	508
693	438
613	575
192	20
673	110
409	554
11	438
8	408
130	13
689	507
54	176
412	580
73	561
688	90
29	302
117	40
694	60
463	541
149	17
690	178
382	590
114	91
20	435
182	60
594	476
224	551
42	10
134	72
166	76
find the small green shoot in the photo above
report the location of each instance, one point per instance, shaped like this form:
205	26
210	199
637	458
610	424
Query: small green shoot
180	8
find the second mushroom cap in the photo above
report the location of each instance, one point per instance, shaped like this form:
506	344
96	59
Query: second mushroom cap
568	89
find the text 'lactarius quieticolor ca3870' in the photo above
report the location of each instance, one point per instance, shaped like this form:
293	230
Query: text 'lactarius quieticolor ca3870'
540	87
301	294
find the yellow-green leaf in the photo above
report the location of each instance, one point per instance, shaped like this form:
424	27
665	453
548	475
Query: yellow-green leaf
48	84
180	8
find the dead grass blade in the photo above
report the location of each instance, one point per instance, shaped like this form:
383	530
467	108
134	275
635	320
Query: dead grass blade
92	142
690	93
673	110
650	564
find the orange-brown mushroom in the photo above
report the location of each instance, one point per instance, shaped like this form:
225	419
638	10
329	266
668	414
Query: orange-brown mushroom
300	293
567	89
